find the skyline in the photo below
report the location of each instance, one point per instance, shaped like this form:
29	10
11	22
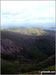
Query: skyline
31	13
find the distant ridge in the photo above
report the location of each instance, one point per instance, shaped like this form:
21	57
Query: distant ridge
52	28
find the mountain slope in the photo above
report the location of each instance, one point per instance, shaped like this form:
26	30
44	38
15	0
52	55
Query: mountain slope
27	48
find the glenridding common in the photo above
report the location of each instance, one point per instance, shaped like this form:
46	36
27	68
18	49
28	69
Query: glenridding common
27	42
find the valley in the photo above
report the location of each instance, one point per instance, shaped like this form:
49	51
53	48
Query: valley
27	50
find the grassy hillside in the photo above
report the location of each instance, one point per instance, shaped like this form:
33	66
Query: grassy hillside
15	67
28	31
27	49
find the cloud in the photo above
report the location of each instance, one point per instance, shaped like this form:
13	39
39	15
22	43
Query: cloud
20	12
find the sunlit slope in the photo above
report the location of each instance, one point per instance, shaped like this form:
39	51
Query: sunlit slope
28	30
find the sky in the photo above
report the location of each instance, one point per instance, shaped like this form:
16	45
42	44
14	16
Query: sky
28	13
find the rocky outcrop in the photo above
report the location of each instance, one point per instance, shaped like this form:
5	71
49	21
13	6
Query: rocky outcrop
7	46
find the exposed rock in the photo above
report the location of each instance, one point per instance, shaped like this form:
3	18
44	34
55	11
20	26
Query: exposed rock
7	46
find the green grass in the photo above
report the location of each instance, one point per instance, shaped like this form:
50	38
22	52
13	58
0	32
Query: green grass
9	67
50	68
14	67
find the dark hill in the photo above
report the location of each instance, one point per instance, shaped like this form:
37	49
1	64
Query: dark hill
30	46
34	46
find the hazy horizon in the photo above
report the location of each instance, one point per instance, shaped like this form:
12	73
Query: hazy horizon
28	13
